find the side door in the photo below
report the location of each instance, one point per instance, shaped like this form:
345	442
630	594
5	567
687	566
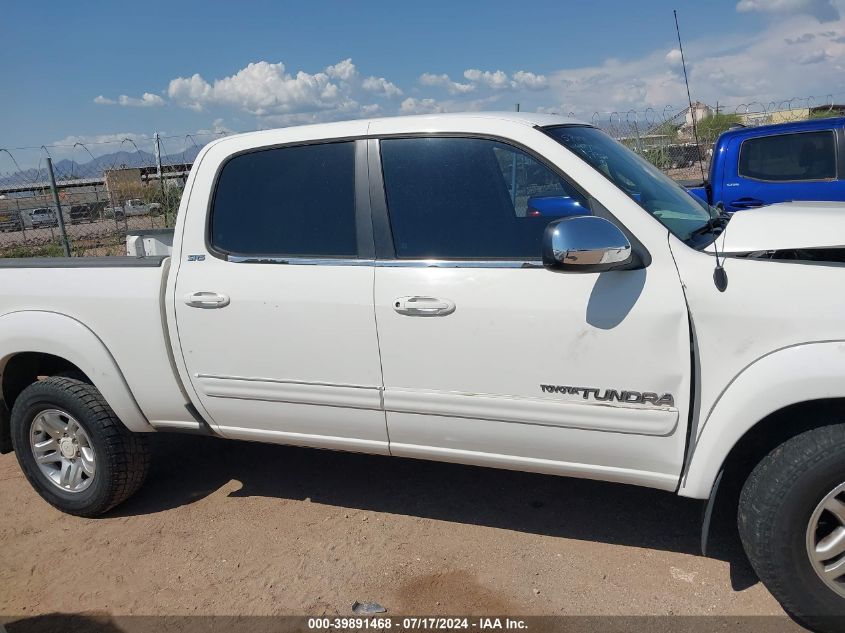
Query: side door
783	167
488	358
273	299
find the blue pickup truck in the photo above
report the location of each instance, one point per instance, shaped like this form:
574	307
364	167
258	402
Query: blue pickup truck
757	166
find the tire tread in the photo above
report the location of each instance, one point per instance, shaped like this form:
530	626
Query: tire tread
127	453
761	504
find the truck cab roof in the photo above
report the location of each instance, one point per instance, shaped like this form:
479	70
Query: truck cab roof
408	124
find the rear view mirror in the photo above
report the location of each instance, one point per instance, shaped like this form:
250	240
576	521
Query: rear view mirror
586	243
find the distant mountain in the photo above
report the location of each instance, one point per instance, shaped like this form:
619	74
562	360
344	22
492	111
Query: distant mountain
68	170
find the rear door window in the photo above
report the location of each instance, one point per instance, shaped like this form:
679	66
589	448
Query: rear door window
789	157
288	201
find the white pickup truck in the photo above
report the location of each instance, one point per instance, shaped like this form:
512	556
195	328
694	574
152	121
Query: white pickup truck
133	207
508	290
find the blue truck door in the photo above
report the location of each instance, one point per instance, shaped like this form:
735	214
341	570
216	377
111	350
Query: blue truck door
781	167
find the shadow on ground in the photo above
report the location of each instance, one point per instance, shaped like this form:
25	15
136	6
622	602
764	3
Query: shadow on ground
188	468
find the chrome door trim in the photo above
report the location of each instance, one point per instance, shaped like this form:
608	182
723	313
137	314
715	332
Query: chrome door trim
299	261
457	263
385	263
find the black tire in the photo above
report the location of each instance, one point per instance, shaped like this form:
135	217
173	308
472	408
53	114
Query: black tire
776	505
122	456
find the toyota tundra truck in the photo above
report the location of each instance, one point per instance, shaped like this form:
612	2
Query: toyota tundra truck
382	286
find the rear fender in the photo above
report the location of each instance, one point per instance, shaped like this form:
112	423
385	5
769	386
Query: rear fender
67	338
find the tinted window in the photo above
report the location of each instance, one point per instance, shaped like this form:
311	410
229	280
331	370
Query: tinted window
463	198
666	200
805	156
288	201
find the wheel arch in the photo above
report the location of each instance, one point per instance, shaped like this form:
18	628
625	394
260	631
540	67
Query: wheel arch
38	343
776	397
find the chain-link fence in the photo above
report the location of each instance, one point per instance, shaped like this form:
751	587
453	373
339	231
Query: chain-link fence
668	139
112	187
104	189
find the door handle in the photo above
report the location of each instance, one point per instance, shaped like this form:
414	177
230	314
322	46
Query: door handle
747	203
207	300
423	306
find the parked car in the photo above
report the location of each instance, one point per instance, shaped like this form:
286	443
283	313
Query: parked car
756	166
432	318
80	213
10	221
132	207
42	217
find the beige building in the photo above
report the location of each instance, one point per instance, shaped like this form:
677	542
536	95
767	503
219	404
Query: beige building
122	184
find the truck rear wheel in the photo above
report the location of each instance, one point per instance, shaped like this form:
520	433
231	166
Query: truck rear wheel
73	449
792	524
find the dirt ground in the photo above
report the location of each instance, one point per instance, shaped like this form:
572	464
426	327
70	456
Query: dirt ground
231	528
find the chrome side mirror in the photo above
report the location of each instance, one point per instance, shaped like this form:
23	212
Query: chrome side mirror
586	243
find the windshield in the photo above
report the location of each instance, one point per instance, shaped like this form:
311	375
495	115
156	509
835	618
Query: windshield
655	192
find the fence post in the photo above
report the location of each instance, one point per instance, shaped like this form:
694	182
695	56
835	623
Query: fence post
165	206
59	216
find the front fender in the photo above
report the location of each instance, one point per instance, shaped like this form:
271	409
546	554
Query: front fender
63	336
788	376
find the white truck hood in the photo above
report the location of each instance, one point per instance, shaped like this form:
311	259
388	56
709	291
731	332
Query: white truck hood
787	225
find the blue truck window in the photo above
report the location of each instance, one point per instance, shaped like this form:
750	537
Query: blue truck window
789	157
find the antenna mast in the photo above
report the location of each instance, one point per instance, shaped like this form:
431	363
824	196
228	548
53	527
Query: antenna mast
689	98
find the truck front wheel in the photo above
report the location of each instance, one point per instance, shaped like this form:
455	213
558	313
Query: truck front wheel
792	525
73	449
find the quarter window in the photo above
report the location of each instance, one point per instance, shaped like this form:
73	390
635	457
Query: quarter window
297	201
789	157
468	198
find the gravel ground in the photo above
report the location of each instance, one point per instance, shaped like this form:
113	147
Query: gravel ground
234	528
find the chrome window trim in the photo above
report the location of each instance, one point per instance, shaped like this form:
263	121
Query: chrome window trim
298	261
458	263
386	263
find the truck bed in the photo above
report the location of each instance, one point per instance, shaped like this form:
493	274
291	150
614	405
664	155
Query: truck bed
120	300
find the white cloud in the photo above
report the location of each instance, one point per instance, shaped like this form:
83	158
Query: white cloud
801	39
101	139
343	70
453	87
497	80
420	106
822	10
146	100
278	97
764	69
492	80
218	128
674	59
381	86
428	105
813	57
530	81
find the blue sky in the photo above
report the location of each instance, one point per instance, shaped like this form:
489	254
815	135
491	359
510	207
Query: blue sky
106	70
